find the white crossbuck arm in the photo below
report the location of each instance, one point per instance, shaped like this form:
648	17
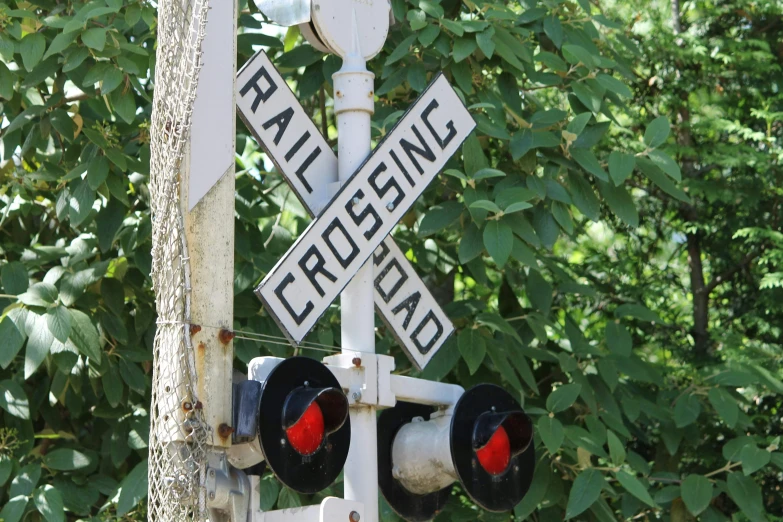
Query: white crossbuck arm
279	123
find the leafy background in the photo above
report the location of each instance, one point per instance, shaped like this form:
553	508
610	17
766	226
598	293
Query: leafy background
608	244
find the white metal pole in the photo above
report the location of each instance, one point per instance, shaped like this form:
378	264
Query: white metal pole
354	105
207	201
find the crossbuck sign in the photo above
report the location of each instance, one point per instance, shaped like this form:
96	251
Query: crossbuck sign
355	223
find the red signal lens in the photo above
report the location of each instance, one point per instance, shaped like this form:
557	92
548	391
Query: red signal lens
496	454
307	434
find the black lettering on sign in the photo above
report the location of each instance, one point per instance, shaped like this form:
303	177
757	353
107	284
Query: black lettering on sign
368	211
287	280
397	285
409	305
400	166
381	191
327	237
281	120
415	336
424	151
261	94
317	268
378	257
303	167
450	126
292	152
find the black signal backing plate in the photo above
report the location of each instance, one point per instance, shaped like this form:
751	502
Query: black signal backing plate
493	493
410	506
305	474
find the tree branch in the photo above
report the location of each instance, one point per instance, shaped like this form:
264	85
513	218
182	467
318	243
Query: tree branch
724	276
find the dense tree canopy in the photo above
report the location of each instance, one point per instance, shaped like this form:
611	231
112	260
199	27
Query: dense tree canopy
608	244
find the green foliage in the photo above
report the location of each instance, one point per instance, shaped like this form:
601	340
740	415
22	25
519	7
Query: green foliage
607	244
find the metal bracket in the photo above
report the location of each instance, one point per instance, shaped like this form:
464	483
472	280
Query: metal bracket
228	490
331	509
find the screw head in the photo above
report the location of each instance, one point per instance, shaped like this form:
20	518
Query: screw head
211	496
355	201
307	383
390	206
212	473
356	395
355	517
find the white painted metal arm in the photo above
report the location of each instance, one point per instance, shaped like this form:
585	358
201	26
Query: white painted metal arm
331	509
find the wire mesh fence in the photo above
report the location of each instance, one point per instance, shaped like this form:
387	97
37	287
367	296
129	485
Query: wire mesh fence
178	435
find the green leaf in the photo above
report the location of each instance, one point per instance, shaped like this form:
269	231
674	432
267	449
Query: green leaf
696	493
81	202
112	79
551	431
747	495
563	217
463	47
499	240
588	161
270	489
589	98
485	42
14	400
133	488
585	490
657	132
402	50
576	54
618	339
7	81
95	38
621	166
725	405
488	173
63	123
49	504
85	336
65	460
687	410
577	125
40	294
666	164
563	397
753	458
13	340
124	104
485	204
453	26
14	509
32	49
471	244
635	487
539	291
638	311
616	448
417	77
97	171
288	499
59	321
14	278
38	343
429	35
611	83
497	324
440	217
517	207
60	43
473	348
417	19
620	202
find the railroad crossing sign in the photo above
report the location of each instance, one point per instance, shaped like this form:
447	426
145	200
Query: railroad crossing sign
356	222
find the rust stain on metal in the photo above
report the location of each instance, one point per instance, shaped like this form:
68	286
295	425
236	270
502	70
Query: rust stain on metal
198	405
187	406
225	431
194	329
357	361
202	347
226	336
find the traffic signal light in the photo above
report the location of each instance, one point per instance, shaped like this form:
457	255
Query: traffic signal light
295	418
485	443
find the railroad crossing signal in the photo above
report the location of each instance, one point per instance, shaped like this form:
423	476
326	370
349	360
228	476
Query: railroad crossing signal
485	444
279	123
293	415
